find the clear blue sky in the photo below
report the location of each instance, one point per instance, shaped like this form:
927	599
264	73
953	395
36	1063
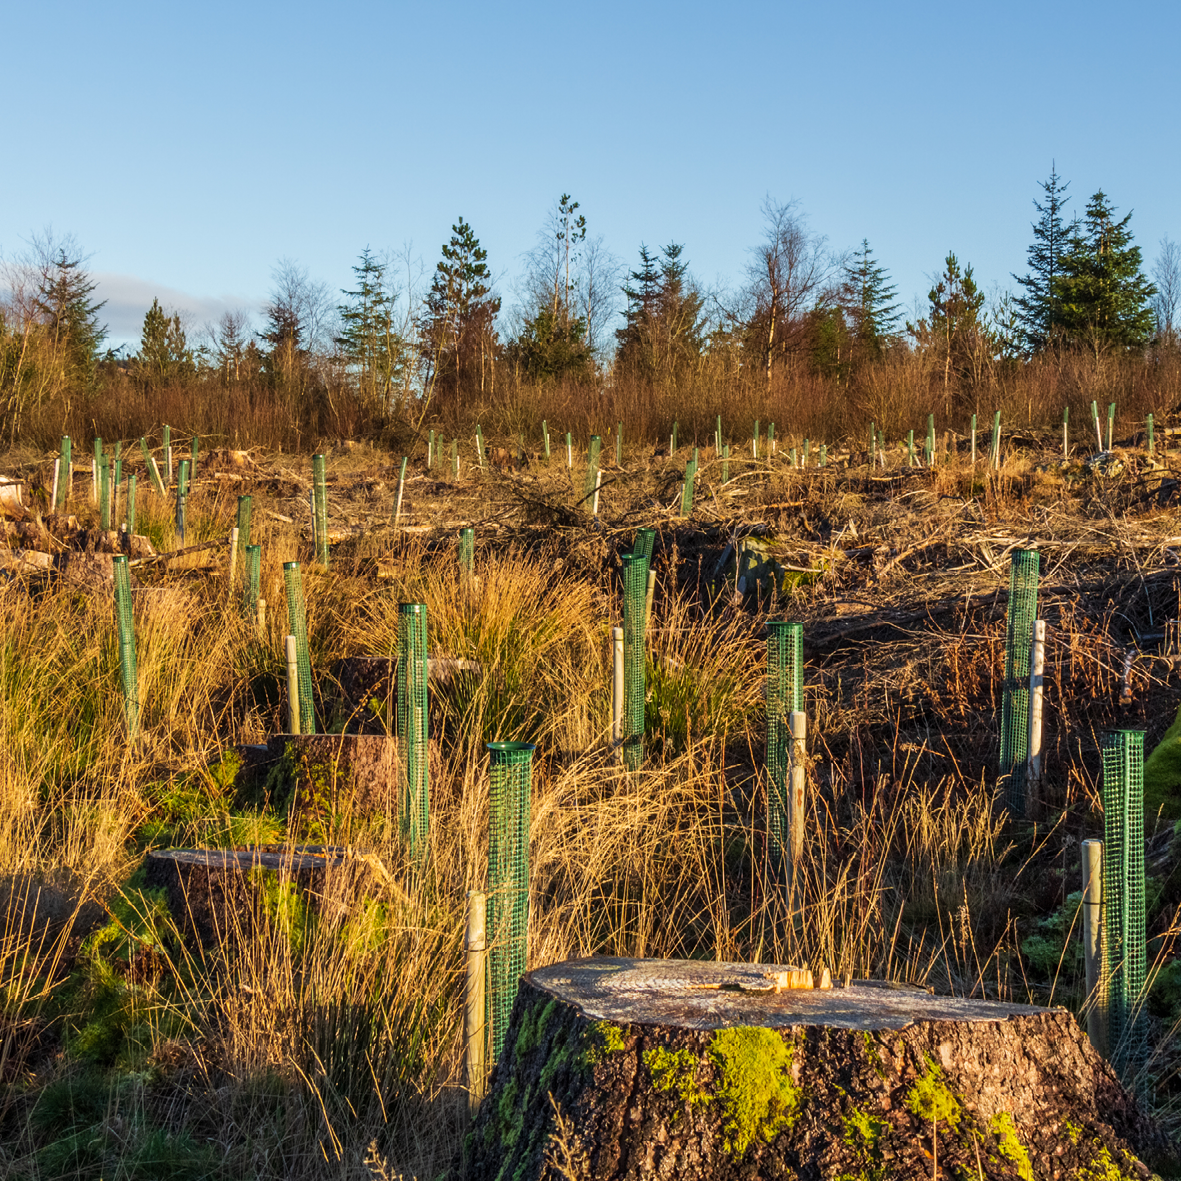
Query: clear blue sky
188	147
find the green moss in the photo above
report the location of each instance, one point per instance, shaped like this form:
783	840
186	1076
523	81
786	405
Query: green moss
1162	774
863	1134
930	1099
560	1054
675	1071
755	1088
283	905
528	1034
600	1039
871	1050
1011	1148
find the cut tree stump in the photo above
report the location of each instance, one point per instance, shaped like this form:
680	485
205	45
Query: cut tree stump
215	895
334	773
682	1069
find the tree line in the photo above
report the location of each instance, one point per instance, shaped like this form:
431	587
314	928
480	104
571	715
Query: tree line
404	344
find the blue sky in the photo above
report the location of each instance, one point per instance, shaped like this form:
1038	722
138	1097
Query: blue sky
189	147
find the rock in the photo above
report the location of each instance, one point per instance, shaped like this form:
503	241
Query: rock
671	1069
219	895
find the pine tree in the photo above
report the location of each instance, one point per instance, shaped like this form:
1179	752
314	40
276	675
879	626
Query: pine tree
458	327
164	352
1105	298
867	300
1039	310
369	341
954	328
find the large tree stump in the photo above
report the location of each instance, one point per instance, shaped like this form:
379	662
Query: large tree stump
334	773
219	895
679	1069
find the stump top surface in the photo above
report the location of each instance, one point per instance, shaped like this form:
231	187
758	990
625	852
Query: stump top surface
696	994
292	858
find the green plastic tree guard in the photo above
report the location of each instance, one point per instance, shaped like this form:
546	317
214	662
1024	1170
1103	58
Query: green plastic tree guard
619	445
1123	895
245	509
873	445
644	543
181	497
635	591
725	463
687	489
168	453
785	696
823	454
320	499
1022	614
1110	424
910	447
930	440
297	626
430	451
455	458
63	482
770	440
1149	424
131	505
545	438
252	584
592	468
413	735
104	494
467	552
126	633
196	450
510	796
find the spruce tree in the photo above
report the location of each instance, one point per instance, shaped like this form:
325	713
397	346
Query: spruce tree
1105	298
867	300
368	340
163	348
64	304
1039	310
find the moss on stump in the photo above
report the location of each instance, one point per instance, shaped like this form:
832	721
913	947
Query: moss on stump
675	1069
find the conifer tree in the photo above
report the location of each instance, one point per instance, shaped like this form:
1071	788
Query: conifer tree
867	300
1038	309
163	349
1105	298
369	340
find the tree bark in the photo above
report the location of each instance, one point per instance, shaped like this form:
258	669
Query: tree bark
632	1069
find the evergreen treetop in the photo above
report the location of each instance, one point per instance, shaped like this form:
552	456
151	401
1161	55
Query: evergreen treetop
1038	309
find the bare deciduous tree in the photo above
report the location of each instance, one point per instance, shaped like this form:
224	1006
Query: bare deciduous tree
1166	274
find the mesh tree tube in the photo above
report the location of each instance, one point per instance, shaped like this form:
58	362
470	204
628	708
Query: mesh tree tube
635	590
195	453
168	453
320	497
297	626
687	488
245	506
645	540
785	696
252	582
126	631
1123	896
467	551
104	494
1023	576
182	484
413	735
63	483
131	505
510	784
592	466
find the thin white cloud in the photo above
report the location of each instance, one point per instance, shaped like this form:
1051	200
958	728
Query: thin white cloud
129	297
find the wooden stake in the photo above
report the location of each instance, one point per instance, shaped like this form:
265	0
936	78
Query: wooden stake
401	487
598	485
617	691
474	1024
261	617
57	463
1037	671
292	687
649	595
798	722
233	554
1092	944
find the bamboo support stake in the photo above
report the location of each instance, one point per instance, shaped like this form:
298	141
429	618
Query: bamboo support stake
1037	673
1092	944
1065	432
1098	428
157	480
598	485
569	451
617	691
996	441
474	1023
430	451
260	619
57	464
798	723
292	687
1110	423
233	554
